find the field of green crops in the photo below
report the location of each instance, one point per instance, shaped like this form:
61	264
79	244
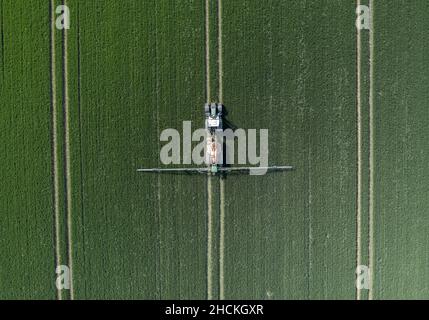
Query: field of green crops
81	110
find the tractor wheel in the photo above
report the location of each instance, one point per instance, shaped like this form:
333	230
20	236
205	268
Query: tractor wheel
220	108
207	108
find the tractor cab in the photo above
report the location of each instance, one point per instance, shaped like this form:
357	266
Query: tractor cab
214	115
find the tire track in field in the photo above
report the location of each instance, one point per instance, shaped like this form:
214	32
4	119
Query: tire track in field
359	153
54	143
67	176
370	234
222	181
371	152
209	182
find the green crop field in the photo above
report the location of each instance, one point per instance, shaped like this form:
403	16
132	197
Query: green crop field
82	109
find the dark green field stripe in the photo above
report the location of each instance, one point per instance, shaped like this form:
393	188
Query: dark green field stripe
290	67
135	235
401	122
27	245
2	39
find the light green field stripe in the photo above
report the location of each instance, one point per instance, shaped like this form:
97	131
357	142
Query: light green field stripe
2	40
158	179
371	152
222	241
209	182
208	51
55	143
359	155
220	51
222	181
209	240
